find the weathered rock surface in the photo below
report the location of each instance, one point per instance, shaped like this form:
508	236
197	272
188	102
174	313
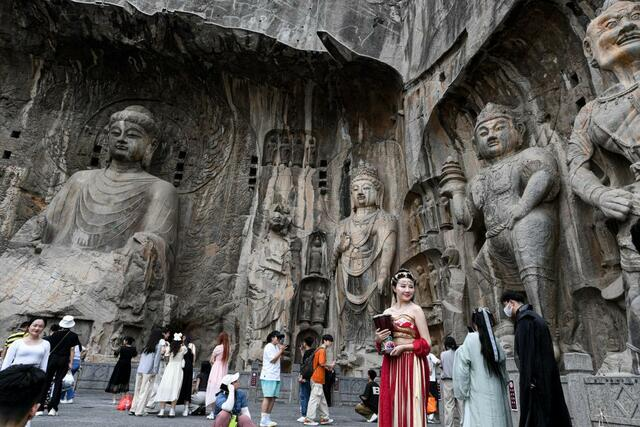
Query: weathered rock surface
268	106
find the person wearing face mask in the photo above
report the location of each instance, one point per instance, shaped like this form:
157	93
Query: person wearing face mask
541	398
404	381
480	375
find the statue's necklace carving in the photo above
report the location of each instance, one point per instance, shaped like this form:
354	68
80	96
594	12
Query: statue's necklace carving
368	222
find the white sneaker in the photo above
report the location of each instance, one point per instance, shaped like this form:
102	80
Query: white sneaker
172	413
185	413
53	413
211	416
373	418
301	419
63	401
39	413
325	421
70	401
310	422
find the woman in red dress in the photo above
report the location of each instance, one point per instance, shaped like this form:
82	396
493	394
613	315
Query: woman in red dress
404	378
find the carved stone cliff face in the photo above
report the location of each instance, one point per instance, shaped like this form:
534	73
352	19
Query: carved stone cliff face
266	104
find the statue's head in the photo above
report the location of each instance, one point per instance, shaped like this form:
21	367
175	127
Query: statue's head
279	218
613	37
133	135
366	188
498	132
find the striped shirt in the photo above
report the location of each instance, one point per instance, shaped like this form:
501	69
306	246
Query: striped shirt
15	337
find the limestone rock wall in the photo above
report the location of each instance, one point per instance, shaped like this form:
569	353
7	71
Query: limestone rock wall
266	107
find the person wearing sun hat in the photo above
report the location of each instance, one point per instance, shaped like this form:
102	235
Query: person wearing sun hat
63	343
232	402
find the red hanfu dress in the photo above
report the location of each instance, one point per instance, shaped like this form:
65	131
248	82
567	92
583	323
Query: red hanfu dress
404	385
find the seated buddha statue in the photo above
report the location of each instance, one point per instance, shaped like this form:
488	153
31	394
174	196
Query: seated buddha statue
104	245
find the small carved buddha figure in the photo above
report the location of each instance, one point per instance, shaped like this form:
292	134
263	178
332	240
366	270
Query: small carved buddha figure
514	196
315	255
612	123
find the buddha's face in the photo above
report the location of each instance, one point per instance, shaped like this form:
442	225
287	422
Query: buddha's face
364	193
128	141
613	37
497	137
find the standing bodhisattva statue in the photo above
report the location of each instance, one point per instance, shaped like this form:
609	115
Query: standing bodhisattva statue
612	122
363	253
514	196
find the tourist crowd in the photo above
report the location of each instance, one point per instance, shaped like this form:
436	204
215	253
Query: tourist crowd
38	371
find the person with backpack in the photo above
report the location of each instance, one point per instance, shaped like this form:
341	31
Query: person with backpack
306	371
318	407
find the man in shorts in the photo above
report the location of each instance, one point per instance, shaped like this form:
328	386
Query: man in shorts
270	375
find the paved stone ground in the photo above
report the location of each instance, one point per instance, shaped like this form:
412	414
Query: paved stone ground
95	409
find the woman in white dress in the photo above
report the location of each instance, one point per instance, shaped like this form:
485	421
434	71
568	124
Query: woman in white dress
171	382
30	350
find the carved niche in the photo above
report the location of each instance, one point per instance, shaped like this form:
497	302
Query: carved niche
313	302
290	148
316	254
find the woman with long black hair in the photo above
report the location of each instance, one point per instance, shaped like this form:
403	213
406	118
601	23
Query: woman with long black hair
148	368
480	375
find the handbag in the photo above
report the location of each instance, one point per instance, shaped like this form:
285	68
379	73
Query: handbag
432	405
68	380
125	403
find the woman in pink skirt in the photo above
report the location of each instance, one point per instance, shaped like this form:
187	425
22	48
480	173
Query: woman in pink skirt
219	368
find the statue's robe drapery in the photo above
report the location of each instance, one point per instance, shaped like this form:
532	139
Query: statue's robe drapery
106	243
100	210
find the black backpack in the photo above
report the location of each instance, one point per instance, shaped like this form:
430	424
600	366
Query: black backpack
306	370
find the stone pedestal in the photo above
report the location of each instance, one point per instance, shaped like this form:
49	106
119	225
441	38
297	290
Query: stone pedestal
576	367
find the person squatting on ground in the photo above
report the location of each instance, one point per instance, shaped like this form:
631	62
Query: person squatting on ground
119	381
20	389
270	376
368	408
199	398
480	375
450	403
63	343
317	400
148	368
304	379
405	372
232	402
542	401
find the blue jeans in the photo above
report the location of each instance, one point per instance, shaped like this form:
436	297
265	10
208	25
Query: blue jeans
69	393
305	392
